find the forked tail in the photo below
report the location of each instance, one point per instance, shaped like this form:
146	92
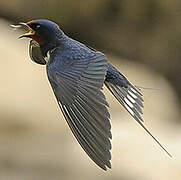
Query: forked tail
131	99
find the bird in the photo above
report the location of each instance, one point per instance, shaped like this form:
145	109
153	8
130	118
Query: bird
77	74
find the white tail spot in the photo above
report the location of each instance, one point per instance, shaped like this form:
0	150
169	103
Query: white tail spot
133	90
131	99
128	102
132	94
129	109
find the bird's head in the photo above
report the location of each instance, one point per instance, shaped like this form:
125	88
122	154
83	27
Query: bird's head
42	31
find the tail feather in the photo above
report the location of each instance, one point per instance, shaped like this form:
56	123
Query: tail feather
131	99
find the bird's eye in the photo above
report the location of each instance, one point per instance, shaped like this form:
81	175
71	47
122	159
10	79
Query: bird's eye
34	26
37	26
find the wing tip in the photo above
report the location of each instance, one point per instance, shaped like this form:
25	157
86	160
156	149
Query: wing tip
106	166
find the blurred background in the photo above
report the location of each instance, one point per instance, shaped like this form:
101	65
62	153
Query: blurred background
143	39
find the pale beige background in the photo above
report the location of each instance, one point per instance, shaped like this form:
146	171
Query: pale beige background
36	144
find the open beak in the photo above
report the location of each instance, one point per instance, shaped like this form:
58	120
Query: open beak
28	34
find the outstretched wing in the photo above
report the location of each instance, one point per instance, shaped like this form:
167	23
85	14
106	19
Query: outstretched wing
78	90
35	53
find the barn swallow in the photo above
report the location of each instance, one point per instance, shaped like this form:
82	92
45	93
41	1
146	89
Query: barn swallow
77	74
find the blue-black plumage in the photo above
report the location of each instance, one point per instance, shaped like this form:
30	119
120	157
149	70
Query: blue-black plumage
77	73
